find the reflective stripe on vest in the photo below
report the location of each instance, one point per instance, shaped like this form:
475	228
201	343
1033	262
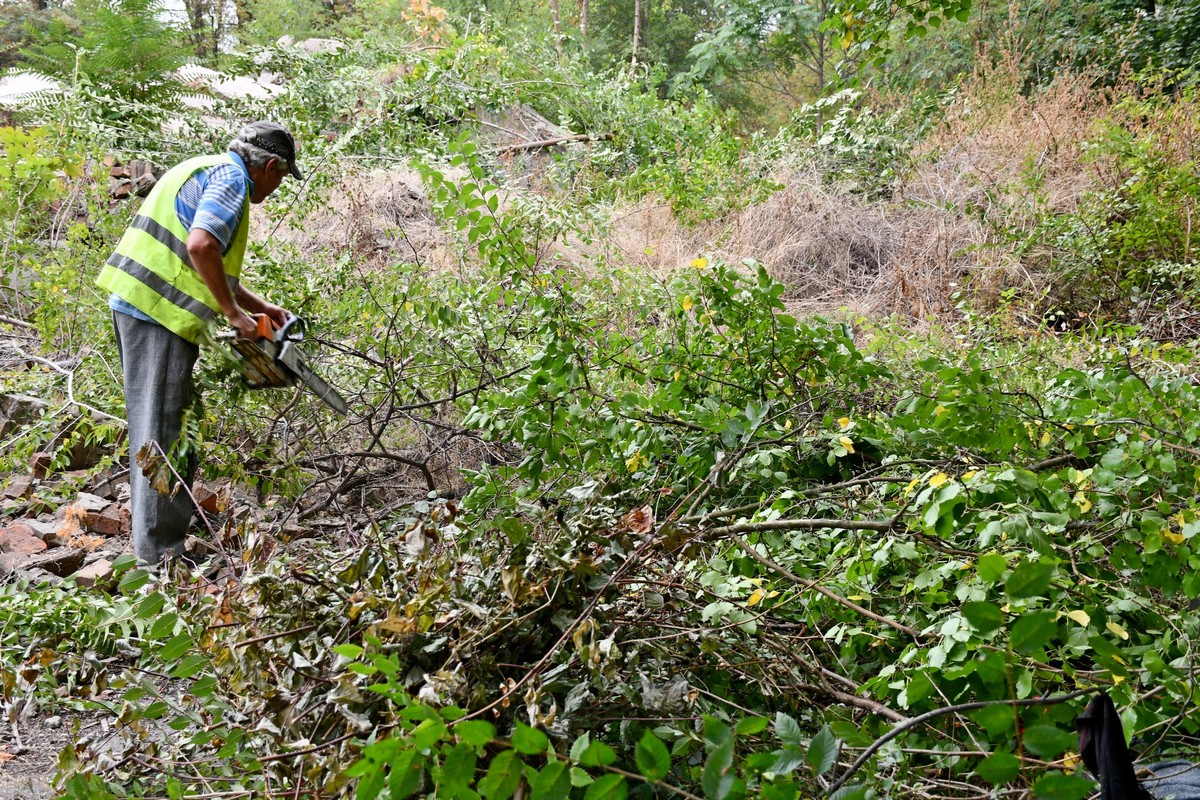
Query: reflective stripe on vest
151	269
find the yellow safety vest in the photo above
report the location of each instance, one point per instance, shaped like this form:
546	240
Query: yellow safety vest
151	269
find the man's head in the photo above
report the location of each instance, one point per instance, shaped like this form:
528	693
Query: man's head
270	153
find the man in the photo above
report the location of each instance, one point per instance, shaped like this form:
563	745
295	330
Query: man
174	274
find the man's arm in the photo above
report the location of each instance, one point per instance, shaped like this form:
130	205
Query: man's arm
205	252
256	305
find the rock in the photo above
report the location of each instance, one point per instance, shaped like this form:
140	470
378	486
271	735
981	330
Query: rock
20	487
18	410
90	503
52	532
112	520
36	576
119	171
18	547
20	539
60	561
53	722
119	188
39	464
94	573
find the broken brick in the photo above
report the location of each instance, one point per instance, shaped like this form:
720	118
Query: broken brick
94	573
112	520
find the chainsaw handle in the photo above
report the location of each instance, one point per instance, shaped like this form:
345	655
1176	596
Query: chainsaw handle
292	330
266	328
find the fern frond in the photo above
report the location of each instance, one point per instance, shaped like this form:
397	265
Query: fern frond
25	89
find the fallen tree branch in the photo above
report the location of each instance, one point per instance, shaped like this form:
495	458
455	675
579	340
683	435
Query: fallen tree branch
941	712
578	137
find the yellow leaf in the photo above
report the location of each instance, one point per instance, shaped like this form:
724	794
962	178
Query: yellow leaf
687	302
756	597
1070	761
844	422
677	374
1080	616
937	412
966	476
938	480
787	426
1081	500
1046	437
634	460
847	443
858	598
1173	537
648	251
1121	633
700	263
1118	680
911	485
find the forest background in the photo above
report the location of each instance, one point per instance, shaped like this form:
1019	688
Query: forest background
749	398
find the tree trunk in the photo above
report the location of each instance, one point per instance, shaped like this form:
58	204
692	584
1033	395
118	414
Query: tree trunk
637	32
557	27
584	11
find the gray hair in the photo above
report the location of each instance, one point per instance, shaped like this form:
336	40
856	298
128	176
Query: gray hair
255	157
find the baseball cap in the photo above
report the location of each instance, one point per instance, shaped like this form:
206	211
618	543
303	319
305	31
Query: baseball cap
275	139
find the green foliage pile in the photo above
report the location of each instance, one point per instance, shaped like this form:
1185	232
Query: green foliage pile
666	538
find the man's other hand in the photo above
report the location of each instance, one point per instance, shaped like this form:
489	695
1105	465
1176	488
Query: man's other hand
277	314
245	325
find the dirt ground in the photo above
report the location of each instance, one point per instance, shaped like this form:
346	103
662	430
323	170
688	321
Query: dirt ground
27	769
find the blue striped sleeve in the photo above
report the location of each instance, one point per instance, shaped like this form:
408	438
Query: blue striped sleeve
212	200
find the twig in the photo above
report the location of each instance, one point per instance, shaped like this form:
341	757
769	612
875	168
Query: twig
941	712
268	637
837	598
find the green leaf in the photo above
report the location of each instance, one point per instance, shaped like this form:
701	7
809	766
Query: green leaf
653	758
528	740
999	768
176	646
995	719
1032	631
984	617
749	726
503	776
991	567
405	773
1030	579
475	732
350	651
788	730
716	779
822	751
1047	741
607	787
597	754
370	784
1060	786
553	782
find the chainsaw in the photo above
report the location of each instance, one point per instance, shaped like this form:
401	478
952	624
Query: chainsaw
274	360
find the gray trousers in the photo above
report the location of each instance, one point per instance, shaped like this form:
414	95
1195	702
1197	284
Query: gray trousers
157	366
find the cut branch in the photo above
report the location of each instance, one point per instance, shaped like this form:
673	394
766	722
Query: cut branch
578	137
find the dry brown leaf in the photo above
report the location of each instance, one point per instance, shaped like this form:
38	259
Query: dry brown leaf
639	520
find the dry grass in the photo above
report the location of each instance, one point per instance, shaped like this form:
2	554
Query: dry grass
378	217
998	161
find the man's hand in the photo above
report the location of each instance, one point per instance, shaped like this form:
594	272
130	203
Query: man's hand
278	315
245	325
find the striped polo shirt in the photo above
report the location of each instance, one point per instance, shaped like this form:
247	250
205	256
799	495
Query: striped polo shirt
211	200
